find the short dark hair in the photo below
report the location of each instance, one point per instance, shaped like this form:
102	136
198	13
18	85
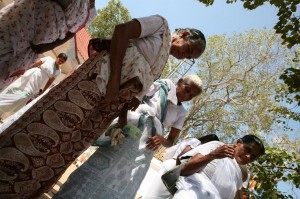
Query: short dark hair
249	139
63	56
208	138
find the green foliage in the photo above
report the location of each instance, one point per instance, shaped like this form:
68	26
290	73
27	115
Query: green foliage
275	166
110	16
288	27
289	93
291	78
288	24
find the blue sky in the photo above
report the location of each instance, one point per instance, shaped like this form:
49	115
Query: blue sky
217	19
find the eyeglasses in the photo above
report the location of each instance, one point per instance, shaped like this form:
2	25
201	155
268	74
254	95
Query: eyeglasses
193	61
176	69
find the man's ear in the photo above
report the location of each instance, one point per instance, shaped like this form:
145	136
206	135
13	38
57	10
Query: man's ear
239	141
180	81
184	34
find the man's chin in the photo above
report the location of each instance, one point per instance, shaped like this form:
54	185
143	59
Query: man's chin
240	161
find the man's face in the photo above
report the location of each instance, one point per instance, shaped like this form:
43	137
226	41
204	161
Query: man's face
246	153
60	61
185	92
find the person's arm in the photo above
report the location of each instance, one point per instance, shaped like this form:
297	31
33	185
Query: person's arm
119	43
134	104
36	64
199	160
49	82
154	142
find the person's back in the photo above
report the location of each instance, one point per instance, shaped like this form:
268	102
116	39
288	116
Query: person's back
208	169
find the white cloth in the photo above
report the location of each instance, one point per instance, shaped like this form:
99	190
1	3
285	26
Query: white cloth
176	113
26	87
154	30
192	142
157	189
150	39
219	178
175	150
204	149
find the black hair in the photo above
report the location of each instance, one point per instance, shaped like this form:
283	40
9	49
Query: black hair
63	56
249	139
208	138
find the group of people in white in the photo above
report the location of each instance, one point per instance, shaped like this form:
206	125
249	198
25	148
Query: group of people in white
118	88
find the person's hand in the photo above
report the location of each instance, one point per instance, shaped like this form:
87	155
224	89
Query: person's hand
154	142
225	151
134	104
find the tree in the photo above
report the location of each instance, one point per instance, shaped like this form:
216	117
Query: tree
288	25
240	75
291	78
103	25
277	165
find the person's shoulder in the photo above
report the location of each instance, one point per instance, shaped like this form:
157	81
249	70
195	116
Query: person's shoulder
152	20
213	144
194	141
169	82
151	17
47	58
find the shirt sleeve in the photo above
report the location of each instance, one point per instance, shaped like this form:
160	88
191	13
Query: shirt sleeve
151	38
180	119
193	142
205	149
48	66
151	25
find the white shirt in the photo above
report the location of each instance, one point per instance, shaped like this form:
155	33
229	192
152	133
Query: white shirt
150	40
175	113
192	142
204	149
48	66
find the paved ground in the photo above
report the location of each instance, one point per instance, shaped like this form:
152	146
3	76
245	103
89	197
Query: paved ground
61	181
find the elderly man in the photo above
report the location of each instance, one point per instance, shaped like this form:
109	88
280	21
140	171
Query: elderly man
214	170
